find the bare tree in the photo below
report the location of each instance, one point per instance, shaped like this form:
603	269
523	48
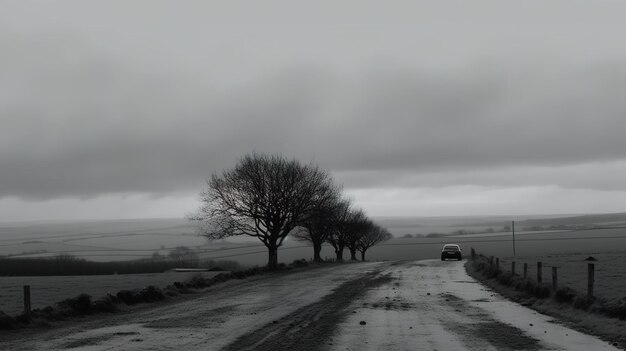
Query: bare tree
263	196
374	235
318	224
356	226
338	233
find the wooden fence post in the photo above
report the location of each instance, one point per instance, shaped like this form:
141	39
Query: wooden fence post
513	268
27	308
554	278
491	262
473	254
497	264
539	273
525	270
590	278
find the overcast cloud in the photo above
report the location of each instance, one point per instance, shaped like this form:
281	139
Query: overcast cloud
445	100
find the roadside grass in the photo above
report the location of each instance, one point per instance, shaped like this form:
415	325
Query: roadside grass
83	304
600	316
610	273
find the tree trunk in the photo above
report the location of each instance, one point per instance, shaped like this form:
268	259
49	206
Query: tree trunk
362	255
353	254
272	262
317	250
339	253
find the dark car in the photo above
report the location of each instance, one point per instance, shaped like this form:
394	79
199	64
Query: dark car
451	251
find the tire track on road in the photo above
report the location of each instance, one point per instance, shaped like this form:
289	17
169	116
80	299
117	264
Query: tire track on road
310	327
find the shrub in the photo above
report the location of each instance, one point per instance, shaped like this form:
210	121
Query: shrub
493	273
222	277
49	313
254	271
299	263
80	304
565	294
582	303
197	281
239	275
182	288
150	294
618	309
47	310
126	296
105	304
542	292
170	290
530	287
23	318
6	322
506	279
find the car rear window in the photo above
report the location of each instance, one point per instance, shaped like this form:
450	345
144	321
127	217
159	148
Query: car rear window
451	248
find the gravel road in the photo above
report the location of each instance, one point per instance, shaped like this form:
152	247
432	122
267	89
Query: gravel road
424	305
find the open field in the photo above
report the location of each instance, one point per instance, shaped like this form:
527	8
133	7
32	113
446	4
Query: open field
536	243
46	291
545	243
98	240
133	239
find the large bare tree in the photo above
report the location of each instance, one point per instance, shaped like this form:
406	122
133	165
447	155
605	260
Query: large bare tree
373	235
263	196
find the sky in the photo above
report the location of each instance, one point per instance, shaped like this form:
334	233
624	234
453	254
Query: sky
118	109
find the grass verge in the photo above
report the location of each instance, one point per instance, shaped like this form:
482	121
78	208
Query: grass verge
590	316
83	304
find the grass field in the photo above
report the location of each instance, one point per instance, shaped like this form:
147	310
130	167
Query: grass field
610	272
134	239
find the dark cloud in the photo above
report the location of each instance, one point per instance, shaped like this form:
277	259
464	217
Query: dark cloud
587	176
79	121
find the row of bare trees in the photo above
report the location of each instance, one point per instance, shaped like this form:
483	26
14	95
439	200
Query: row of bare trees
270	197
341	225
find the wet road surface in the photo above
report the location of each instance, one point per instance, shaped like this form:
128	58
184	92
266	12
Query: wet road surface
435	305
422	305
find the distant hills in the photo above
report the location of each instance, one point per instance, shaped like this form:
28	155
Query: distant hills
599	219
422	226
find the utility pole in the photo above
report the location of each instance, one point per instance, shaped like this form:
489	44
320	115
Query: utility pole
513	230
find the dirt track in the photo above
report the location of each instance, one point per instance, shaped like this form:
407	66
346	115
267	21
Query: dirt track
426	305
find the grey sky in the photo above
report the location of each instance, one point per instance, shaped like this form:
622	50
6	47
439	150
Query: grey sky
123	108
